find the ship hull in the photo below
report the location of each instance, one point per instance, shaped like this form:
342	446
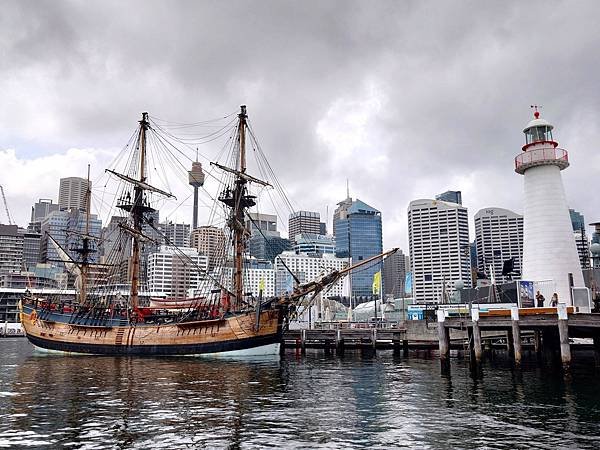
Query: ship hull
232	335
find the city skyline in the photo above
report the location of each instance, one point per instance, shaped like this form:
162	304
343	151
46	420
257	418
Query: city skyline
369	120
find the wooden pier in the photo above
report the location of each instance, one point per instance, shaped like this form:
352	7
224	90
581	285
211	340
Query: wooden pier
551	328
343	338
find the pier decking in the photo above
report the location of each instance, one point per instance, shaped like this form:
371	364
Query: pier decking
552	328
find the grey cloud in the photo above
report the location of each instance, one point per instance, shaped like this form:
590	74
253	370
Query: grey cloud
456	80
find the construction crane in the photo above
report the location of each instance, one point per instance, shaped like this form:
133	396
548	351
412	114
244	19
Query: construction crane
10	222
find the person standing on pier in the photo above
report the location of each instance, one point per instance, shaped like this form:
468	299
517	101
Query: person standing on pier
540	299
554	300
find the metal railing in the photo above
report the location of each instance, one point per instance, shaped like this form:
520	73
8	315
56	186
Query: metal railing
540	156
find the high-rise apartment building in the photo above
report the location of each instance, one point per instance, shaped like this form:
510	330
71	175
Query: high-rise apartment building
358	235
394	273
266	245
450	196
581	238
66	227
256	276
264	222
314	244
499	237
438	236
71	194
210	242
172	271
39	211
176	234
31	248
11	249
577	220
304	222
306	268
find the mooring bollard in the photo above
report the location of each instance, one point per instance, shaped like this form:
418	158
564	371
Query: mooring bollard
476	333
443	335
563	334
516	334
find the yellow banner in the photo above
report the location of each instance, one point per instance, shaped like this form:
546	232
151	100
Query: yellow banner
377	283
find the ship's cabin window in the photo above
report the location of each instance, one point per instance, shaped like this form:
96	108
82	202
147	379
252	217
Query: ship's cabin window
538	134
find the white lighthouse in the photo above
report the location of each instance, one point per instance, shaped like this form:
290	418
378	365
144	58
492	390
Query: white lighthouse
549	251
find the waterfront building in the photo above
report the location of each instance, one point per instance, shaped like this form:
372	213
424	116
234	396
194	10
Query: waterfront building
11	249
210	242
266	245
31	248
264	222
394	274
549	250
450	197
175	234
26	280
257	274
66	227
438	237
306	268
358	236
304	222
313	244
499	237
72	193
577	220
39	211
172	271
596	232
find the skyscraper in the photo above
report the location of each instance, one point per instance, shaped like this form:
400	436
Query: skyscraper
358	235
499	237
267	245
450	196
394	273
11	249
581	239
172	271
39	211
304	222
176	234
438	236
210	242
71	194
264	222
66	227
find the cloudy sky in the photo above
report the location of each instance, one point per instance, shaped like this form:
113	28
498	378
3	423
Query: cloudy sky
404	99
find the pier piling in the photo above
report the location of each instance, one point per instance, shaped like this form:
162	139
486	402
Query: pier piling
476	335
303	342
516	334
443	335
563	334
597	351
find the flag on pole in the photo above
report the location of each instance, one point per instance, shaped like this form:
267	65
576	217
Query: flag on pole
261	285
377	283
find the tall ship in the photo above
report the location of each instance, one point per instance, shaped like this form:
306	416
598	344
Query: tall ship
220	318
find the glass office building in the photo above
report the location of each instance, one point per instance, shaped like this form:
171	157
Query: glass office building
357	230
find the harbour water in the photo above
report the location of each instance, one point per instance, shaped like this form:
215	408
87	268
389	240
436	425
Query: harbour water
312	401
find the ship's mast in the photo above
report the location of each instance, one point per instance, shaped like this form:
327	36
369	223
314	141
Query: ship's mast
238	210
137	212
85	251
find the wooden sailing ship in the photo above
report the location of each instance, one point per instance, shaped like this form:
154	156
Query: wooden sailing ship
222	322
